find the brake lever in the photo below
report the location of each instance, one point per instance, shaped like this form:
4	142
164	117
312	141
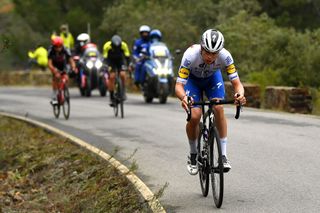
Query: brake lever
189	109
239	108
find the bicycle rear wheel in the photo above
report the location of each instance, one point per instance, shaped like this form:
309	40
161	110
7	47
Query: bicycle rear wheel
217	177
66	104
203	162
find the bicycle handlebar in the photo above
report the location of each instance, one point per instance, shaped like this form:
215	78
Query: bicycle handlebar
211	103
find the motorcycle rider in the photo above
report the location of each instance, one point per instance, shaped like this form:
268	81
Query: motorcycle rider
115	52
155	36
140	49
84	48
81	40
58	58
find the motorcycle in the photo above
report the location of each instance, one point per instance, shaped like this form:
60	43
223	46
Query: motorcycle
159	73
92	74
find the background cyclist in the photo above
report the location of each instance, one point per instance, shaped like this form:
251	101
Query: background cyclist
58	58
115	53
200	71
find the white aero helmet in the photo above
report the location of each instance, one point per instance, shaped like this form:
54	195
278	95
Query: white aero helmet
144	28
212	40
83	38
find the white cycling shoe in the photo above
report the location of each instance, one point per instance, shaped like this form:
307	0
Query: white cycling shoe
192	164
226	164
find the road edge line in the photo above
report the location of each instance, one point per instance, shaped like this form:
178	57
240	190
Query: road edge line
144	190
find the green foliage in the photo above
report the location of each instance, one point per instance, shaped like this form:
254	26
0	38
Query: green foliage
300	14
259	46
264	37
264	78
315	93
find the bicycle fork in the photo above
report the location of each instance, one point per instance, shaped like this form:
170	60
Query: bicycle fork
61	91
203	159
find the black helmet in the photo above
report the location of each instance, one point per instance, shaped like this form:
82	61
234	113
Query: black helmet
116	41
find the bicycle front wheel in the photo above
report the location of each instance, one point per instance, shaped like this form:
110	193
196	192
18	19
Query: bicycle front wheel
217	180
66	104
56	107
116	108
121	108
119	96
203	162
56	110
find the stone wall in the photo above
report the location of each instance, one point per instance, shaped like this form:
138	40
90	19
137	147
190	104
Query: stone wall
34	78
252	93
290	99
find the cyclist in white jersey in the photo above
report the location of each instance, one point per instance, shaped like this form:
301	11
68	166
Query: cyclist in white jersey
200	71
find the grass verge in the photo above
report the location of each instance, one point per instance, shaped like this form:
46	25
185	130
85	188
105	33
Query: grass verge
41	172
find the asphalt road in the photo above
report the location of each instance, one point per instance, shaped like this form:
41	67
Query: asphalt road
274	156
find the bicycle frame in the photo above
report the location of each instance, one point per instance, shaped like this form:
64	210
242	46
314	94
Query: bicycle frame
61	86
118	94
63	97
209	150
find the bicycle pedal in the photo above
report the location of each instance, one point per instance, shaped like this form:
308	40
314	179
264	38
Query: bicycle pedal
226	170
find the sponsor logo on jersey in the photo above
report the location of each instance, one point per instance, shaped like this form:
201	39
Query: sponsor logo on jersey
186	63
229	60
184	73
231	69
202	65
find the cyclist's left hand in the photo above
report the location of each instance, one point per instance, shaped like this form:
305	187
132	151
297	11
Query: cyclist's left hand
57	74
240	98
185	104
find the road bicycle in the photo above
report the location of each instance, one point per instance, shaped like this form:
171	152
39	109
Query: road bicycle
63	98
118	95
209	150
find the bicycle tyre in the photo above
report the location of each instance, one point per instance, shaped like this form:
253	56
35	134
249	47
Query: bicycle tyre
56	107
120	96
115	107
66	104
56	110
203	164
216	165
116	98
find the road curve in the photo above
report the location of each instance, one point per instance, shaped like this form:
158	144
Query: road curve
274	156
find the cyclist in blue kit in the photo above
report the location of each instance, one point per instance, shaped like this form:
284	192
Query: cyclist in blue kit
200	71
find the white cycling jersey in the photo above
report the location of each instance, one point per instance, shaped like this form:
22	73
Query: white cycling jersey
192	63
